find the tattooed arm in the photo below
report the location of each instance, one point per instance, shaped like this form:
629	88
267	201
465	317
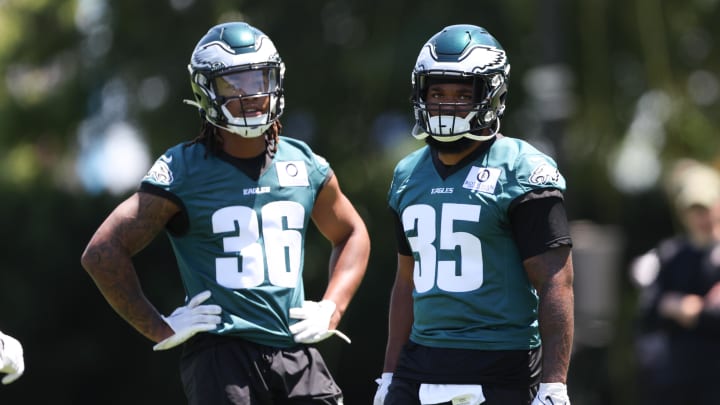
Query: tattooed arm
108	259
551	273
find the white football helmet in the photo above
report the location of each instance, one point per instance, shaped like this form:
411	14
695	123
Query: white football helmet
237	77
461	53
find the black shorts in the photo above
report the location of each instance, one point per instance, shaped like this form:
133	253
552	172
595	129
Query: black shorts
508	377
221	370
405	392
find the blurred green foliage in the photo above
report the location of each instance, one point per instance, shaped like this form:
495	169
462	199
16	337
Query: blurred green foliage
638	74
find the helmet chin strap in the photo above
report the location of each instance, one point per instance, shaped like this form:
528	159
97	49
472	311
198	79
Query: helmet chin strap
247	127
494	129
245	132
450	125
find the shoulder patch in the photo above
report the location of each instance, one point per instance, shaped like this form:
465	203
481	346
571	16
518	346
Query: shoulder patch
160	172
544	173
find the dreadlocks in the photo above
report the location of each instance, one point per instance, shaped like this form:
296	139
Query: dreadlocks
213	142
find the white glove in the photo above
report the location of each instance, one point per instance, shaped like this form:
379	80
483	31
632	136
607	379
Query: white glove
11	358
315	322
383	385
188	320
552	394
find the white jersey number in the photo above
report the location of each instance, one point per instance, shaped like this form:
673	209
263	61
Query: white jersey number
448	275
282	253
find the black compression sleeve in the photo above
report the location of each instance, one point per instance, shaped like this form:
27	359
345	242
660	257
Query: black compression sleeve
540	225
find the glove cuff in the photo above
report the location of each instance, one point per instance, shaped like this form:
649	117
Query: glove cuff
553	386
557	388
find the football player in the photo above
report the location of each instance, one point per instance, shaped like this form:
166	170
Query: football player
236	203
481	309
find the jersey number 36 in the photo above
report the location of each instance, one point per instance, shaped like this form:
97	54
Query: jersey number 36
283	253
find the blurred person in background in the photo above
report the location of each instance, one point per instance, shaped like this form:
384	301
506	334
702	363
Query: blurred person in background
678	337
12	361
481	310
236	204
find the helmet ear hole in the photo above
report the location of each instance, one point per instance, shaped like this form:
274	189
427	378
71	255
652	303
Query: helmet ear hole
281	103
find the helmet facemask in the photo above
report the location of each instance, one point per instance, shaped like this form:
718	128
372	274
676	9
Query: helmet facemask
450	121
247	99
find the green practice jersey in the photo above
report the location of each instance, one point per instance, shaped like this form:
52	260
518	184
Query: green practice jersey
471	289
245	240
